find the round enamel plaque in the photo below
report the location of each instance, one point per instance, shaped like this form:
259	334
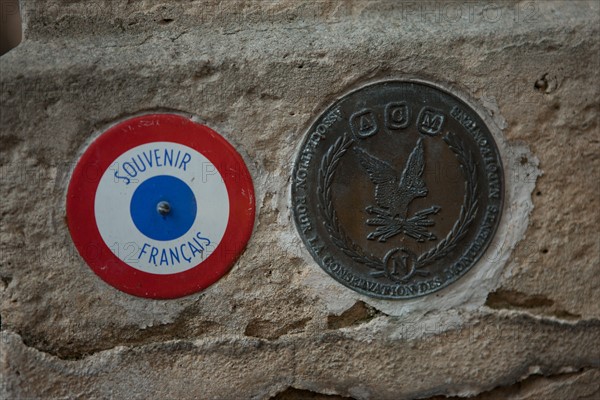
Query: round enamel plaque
160	206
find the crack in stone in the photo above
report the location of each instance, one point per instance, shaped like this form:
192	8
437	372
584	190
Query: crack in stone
539	317
533	303
265	329
514	387
512	315
360	313
212	344
291	393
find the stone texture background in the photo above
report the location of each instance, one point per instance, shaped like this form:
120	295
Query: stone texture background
276	326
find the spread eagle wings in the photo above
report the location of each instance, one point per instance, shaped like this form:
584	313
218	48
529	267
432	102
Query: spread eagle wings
390	187
413	172
384	176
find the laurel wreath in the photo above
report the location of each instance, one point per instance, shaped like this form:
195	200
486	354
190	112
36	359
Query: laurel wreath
467	214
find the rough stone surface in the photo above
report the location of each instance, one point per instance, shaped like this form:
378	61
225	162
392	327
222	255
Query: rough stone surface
523	324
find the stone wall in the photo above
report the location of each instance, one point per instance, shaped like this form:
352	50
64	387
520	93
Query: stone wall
522	324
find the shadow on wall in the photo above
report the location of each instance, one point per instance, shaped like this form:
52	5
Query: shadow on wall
10	25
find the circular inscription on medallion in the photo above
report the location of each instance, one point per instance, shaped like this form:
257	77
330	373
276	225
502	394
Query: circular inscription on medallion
398	189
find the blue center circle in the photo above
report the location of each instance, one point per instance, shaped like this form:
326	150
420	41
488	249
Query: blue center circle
182	207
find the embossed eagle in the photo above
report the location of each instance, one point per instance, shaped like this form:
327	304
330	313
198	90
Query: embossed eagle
394	192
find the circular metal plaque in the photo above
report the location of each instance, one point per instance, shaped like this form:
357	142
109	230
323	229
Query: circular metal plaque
160	206
398	189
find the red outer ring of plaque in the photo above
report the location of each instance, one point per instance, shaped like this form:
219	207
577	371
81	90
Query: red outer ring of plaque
132	133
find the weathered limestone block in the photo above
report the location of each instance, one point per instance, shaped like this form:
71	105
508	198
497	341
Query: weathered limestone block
259	72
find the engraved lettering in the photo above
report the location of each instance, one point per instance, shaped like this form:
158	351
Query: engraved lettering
363	124
430	121
397	115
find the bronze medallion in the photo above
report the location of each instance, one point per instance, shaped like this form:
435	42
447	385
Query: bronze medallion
398	189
